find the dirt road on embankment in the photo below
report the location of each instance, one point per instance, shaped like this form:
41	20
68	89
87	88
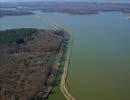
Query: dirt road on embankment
63	85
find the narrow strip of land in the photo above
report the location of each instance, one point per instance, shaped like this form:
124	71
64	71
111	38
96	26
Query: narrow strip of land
63	85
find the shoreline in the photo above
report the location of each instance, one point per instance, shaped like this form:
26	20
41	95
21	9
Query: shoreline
26	12
65	62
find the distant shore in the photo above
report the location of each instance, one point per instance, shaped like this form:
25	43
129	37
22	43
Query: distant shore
74	8
29	60
10	12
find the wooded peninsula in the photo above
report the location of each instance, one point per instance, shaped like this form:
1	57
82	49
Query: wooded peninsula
28	62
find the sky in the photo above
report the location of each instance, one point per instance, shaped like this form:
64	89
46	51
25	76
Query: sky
66	0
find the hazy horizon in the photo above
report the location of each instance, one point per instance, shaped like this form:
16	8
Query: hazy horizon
123	1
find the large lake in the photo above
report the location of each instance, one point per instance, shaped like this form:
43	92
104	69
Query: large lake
100	66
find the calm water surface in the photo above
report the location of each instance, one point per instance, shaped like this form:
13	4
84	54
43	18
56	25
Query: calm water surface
100	67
